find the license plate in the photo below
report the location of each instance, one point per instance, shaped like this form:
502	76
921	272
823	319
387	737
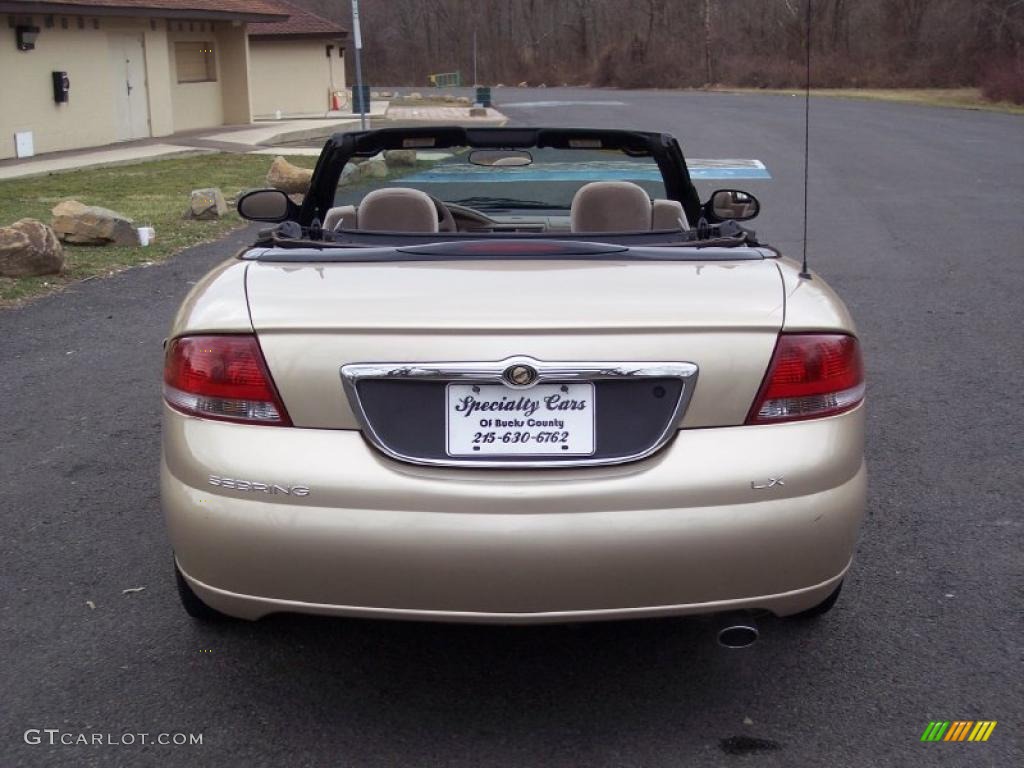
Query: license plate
545	420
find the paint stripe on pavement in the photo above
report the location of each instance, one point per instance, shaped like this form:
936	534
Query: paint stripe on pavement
598	171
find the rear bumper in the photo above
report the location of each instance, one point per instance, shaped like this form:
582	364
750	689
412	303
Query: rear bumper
254	607
680	533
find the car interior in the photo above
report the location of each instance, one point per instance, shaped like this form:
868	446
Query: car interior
599	206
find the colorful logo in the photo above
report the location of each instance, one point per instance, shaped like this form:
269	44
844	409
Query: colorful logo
958	730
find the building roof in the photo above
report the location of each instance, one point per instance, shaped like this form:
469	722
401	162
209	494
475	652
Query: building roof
245	10
300	23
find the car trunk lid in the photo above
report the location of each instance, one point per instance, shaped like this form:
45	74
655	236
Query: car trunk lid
312	318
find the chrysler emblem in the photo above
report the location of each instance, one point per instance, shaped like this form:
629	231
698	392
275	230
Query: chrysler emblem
520	375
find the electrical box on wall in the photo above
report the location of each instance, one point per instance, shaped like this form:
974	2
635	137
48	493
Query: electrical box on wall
24	146
61	87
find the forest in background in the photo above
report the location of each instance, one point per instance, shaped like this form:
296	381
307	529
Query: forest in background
695	43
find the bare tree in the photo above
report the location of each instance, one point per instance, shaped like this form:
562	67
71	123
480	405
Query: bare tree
679	43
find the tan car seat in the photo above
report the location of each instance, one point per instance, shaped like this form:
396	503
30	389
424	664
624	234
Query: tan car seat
610	206
668	214
397	209
340	217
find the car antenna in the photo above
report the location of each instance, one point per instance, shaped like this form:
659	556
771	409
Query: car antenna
804	273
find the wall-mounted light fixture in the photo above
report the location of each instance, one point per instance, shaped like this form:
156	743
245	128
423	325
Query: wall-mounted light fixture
26	37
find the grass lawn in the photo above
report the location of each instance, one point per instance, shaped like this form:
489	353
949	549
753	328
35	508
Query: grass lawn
961	98
154	193
427	101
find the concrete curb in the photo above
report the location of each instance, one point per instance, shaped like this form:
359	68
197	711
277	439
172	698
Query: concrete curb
47	167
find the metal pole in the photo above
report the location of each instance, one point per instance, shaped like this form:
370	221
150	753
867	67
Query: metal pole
804	273
357	36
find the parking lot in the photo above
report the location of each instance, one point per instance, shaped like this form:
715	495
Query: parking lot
915	219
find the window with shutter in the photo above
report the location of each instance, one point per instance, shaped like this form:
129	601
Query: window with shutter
195	62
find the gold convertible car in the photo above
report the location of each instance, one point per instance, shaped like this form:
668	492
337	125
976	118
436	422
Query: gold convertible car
591	396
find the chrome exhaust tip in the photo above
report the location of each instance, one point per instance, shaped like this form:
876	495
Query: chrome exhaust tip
737	630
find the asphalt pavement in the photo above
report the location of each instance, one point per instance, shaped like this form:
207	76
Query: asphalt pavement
916	220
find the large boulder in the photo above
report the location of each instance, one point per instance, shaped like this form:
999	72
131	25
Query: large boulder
83	224
29	247
400	158
374	168
287	177
350	174
206	204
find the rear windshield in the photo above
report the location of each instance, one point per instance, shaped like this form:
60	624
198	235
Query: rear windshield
549	180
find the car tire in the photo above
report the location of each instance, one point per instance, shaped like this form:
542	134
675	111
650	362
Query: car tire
823	607
193	606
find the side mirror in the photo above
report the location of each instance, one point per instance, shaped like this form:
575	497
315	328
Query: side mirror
511	158
267	205
734	205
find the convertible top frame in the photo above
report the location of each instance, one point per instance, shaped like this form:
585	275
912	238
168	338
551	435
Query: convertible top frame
342	147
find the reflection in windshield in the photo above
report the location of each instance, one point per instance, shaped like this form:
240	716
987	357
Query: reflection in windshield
550	182
594	170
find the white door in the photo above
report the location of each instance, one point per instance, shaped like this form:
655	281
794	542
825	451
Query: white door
131	100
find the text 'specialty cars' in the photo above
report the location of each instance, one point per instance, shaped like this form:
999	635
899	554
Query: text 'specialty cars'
529	376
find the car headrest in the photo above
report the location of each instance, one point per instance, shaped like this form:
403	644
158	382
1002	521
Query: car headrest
397	209
668	214
340	217
610	206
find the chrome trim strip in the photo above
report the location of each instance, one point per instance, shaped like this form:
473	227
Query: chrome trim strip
486	373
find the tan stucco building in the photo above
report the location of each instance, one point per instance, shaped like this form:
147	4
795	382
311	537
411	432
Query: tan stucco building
141	68
303	44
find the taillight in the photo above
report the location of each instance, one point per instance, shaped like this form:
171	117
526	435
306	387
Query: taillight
811	375
222	377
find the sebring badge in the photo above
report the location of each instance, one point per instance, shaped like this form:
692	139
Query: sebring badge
251	485
520	375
